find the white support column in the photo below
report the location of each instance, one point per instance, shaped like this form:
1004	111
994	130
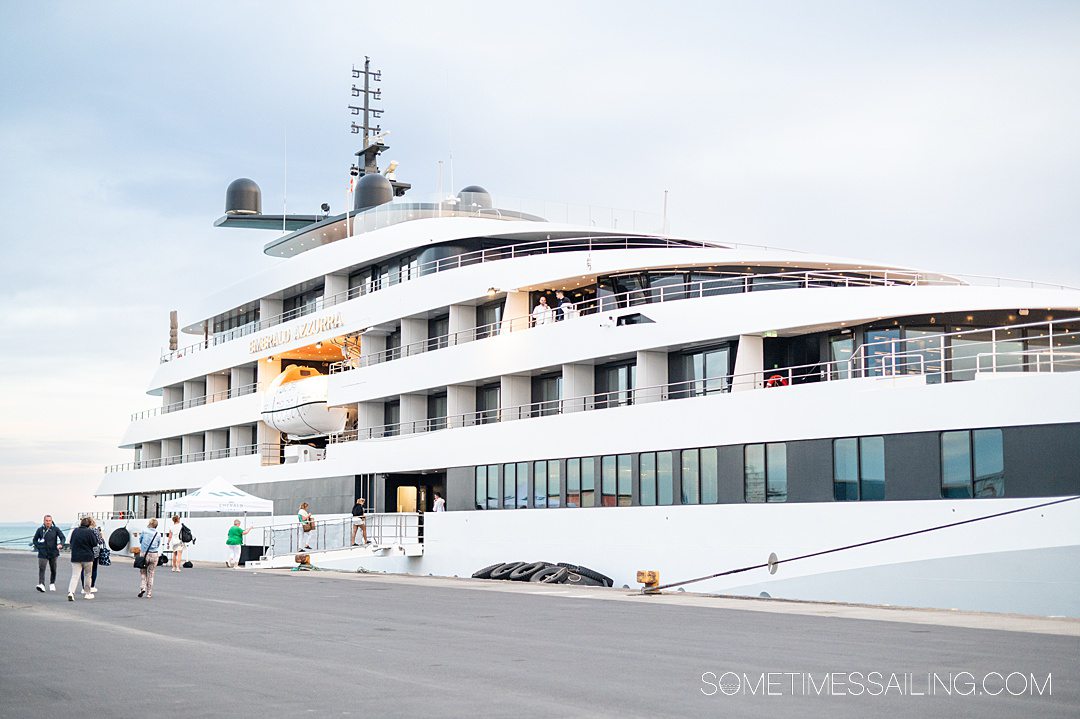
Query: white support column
267	372
460	400
191	444
413	329
170	447
462	319
371	344
749	358
578	381
652	372
335	285
515	312
217	384
269	309
194	389
514	390
239	436
368	416
414	410
241	377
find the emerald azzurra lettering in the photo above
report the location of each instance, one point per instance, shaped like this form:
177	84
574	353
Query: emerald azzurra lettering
309	328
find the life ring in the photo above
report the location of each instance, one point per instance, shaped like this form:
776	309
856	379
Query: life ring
776	380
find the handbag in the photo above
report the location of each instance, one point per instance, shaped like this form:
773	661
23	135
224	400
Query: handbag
309	526
104	557
140	561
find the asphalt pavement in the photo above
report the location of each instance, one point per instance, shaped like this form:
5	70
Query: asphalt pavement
215	642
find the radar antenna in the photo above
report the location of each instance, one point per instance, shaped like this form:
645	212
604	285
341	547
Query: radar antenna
373	135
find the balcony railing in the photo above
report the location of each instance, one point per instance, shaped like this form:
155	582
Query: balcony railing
1044	347
197	401
240	451
720	283
405	274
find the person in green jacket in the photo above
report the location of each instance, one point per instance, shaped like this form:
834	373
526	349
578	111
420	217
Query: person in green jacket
234	543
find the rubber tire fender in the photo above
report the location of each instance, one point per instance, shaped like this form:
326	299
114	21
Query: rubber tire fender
503	570
119	539
591	574
582	580
525	572
558	577
550	575
485	573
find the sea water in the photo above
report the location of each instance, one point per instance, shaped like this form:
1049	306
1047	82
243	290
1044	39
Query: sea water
17	535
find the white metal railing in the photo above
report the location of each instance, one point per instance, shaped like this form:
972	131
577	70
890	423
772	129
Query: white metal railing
240	451
383	529
1061	354
197	401
719	283
404	274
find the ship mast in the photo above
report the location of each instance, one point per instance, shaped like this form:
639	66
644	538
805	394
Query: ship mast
373	136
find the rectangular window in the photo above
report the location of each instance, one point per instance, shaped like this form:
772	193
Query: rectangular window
509	486
615	384
972	464
607	481
522	484
481	487
391	418
647	479
573	482
956	465
625	480
554	484
691	493
665	478
765	472
588	481
859	468
546	394
701	372
710	476
493	486
436	411
438	329
540	483
487	403
488	318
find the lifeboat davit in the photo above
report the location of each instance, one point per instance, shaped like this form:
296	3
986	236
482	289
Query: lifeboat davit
295	404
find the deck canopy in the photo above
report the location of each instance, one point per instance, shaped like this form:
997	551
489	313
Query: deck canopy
219	496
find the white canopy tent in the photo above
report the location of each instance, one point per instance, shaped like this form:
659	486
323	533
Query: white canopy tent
219	496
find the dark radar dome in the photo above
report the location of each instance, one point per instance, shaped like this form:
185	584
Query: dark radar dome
243	197
474	198
372	190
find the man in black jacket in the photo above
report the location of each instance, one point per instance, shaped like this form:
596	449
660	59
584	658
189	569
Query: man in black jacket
48	541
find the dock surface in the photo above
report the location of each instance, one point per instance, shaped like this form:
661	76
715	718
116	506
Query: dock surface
215	642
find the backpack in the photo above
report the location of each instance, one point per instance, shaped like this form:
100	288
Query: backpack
185	534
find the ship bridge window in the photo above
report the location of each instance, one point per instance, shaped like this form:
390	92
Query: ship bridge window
972	464
765	472
859	468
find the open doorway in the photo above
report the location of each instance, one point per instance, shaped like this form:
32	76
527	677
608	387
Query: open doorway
413	492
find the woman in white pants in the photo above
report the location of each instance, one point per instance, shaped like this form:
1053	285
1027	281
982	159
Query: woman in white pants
307	526
235	543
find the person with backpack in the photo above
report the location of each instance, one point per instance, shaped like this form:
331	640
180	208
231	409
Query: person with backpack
179	537
48	541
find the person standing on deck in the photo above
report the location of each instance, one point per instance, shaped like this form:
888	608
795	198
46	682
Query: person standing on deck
439	504
359	521
48	541
307	526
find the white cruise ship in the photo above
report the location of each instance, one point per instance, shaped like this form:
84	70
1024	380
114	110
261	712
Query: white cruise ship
583	387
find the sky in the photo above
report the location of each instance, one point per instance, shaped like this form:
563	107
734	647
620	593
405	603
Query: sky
928	134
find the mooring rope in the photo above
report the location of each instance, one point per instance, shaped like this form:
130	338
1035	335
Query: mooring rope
653	590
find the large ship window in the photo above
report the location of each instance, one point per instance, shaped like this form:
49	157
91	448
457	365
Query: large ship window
546	394
615	480
615	384
488	317
487	487
972	464
691	481
765	472
487	403
656	478
546	483
859	468
710	476
580	482
700	371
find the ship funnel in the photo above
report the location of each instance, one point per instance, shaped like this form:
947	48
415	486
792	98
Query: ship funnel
474	198
243	197
372	190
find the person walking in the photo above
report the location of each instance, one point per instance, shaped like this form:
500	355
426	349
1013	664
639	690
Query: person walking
97	554
234	543
48	541
83	543
359	521
439	503
307	526
149	547
176	545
